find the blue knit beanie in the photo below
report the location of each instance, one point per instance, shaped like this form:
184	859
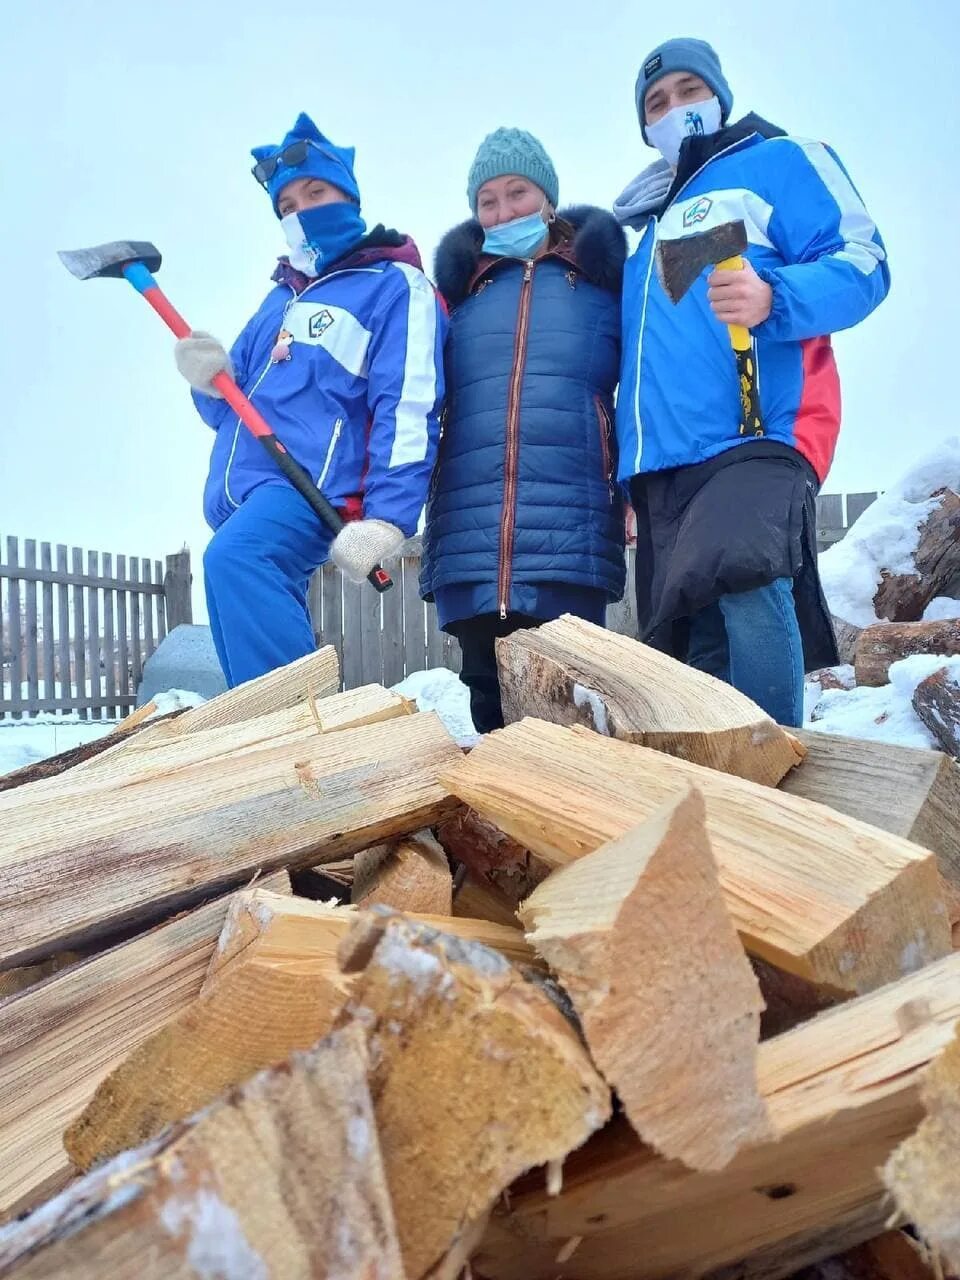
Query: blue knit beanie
684	54
512	151
323	160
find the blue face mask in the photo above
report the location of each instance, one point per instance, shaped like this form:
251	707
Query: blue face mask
320	235
517	238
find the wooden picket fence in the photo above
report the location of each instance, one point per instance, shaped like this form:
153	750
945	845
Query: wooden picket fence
390	636
77	626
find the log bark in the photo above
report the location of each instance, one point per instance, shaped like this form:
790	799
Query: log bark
508	870
573	672
812	891
902	597
923	1174
61	1039
274	987
282	1178
411	874
880	646
936	701
639	938
476	1076
892	1256
904	790
843	1090
848	637
72	866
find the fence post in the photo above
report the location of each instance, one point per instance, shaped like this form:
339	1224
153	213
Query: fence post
176	589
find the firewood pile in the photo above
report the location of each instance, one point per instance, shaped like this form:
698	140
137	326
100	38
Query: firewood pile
641	986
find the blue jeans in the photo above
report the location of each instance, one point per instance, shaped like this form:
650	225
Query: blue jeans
257	568
752	641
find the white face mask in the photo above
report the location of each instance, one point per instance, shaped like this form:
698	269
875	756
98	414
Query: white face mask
685	121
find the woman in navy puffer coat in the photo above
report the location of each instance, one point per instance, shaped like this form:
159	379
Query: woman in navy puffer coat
524	520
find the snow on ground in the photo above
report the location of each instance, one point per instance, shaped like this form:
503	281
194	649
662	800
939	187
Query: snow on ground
34	738
885	714
441	691
26	741
886	536
942	609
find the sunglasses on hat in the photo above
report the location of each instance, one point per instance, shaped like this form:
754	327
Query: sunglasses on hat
290	157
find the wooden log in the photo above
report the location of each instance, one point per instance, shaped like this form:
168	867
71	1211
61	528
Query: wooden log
902	597
60	1039
476	899
411	874
274	986
159	749
74	865
282	1178
842	1091
904	790
809	889
891	1256
880	646
936	701
639	938
848	637
504	867
573	672
456	1022
923	1174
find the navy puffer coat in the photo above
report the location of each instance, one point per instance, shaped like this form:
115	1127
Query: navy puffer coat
524	489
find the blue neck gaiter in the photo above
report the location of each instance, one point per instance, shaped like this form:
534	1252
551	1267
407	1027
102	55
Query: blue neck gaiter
320	235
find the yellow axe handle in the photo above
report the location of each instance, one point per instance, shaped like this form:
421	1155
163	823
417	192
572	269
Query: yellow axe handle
739	336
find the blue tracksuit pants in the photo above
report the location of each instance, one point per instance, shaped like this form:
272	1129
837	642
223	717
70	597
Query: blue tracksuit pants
257	568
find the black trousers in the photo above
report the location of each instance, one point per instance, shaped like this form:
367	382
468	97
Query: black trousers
479	669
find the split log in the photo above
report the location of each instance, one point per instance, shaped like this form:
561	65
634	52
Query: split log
809	889
640	940
476	1076
847	636
923	1174
880	646
411	874
508	870
936	701
892	1256
73	865
74	757
902	597
843	1090
282	1178
475	899
147	754
904	790
274	986
62	1038
573	672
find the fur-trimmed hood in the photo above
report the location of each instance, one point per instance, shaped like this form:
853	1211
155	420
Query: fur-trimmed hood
598	249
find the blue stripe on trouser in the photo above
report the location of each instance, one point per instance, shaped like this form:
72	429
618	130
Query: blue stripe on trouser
752	641
257	569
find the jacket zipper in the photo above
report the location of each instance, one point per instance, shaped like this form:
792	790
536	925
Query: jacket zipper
604	424
508	517
337	428
646	289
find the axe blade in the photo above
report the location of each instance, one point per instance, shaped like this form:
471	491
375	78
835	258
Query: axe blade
680	261
109	259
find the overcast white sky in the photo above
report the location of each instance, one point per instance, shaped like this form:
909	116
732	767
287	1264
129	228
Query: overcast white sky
134	120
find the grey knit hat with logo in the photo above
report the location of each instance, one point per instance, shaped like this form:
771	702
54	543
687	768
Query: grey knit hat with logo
512	151
682	54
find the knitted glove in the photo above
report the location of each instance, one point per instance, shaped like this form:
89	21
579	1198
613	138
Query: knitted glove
200	358
362	544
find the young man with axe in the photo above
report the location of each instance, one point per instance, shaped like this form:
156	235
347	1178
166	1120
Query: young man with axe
344	361
755	248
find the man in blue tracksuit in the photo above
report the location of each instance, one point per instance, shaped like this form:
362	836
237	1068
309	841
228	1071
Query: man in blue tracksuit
344	360
726	543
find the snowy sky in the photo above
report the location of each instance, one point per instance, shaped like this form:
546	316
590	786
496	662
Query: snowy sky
134	120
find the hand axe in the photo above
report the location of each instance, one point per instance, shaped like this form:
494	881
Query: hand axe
135	261
680	262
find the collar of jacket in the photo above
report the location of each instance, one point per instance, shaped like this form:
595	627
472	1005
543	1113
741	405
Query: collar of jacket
699	151
592	242
379	245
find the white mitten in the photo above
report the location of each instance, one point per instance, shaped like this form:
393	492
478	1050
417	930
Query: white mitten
362	544
200	358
